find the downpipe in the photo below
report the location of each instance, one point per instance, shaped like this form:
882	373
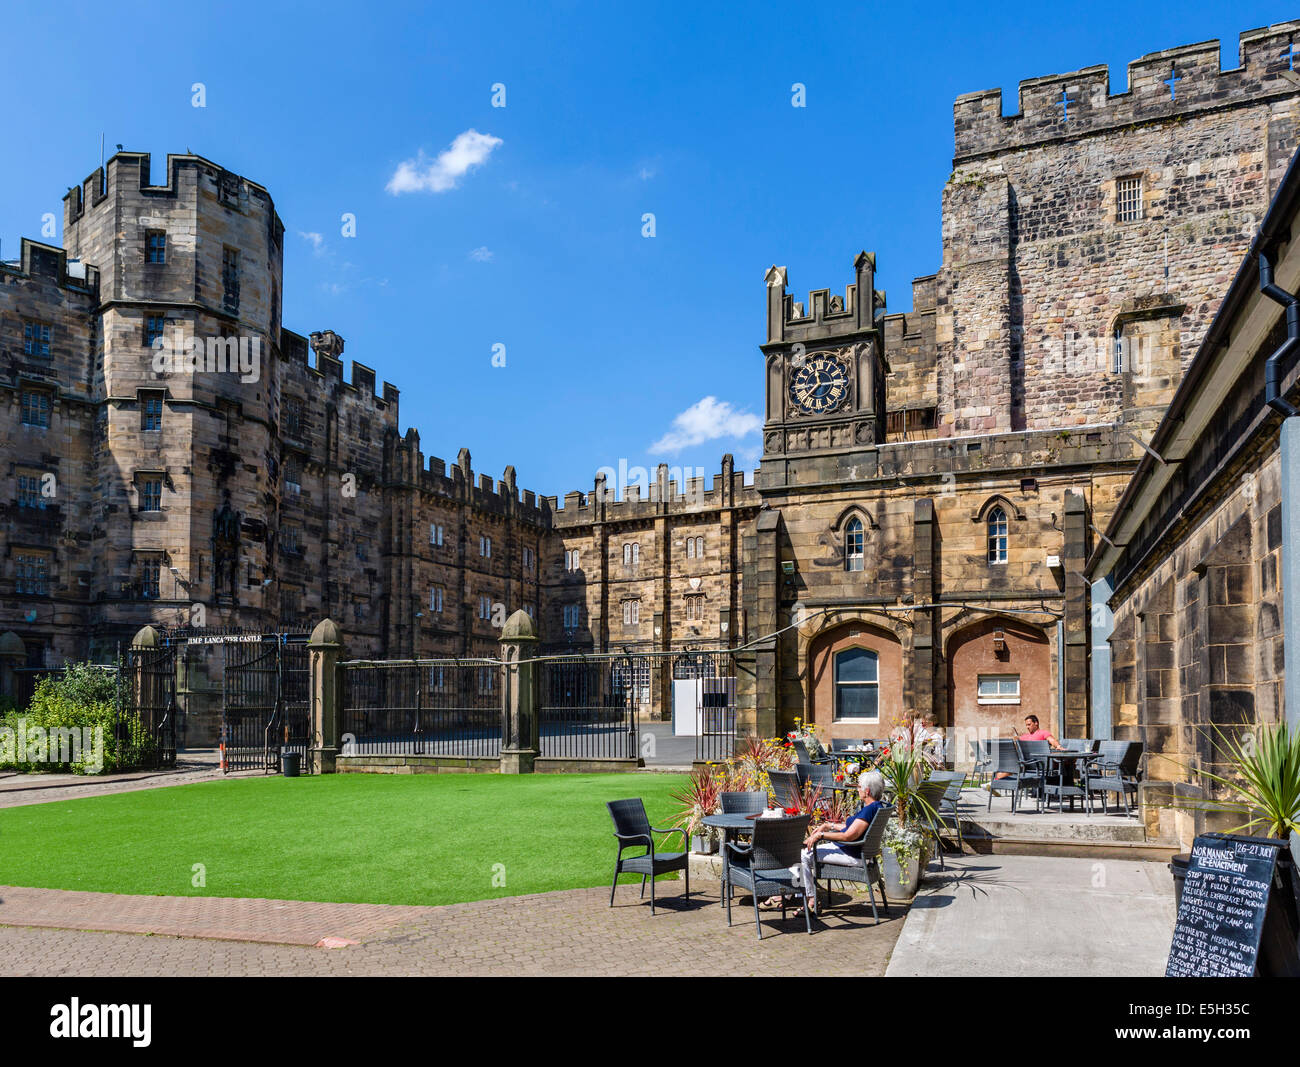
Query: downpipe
1272	368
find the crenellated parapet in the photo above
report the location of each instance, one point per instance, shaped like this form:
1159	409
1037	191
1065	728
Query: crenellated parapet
825	314
458	483
1161	86
295	349
49	264
663	495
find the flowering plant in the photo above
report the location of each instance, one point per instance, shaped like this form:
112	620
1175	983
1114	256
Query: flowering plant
699	797
906	843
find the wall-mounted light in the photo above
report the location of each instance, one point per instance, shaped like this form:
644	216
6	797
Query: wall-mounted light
999	641
787	566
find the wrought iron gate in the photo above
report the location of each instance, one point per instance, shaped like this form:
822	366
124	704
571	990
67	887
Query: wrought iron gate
710	678
589	707
146	708
266	710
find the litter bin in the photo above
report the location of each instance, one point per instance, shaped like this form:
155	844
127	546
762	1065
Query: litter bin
1178	868
290	764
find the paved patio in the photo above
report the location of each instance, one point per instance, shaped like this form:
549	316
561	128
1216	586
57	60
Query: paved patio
573	932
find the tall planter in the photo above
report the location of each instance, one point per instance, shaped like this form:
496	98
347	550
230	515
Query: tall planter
902	876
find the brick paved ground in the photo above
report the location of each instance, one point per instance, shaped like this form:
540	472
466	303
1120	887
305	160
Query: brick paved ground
568	932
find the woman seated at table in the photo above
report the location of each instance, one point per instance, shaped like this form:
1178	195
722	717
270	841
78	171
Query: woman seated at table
826	839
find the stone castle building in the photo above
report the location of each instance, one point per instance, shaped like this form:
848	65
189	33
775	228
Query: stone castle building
932	481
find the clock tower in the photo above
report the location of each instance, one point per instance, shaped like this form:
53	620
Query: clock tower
825	372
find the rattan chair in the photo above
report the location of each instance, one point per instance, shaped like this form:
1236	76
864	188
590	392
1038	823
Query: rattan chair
633	829
766	866
805	757
742	803
785	787
867	870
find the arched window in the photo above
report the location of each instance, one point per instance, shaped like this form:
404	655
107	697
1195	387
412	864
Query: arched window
857	685
853	545
627	555
690	548
997	535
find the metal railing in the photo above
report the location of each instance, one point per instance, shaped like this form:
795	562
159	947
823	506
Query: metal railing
421	707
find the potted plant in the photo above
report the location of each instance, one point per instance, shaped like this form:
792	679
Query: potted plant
1263	784
903	854
699	798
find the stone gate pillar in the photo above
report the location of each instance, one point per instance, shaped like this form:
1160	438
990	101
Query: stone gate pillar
326	650
520	728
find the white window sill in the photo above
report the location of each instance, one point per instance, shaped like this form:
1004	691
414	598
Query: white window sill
998	700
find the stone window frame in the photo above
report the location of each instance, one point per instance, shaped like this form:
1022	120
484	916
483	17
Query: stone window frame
436	599
839	530
147	567
230	276
150	248
530	559
38	584
144	398
1129	208
572	616
855	540
631	554
291	416
437	534
485	546
148	334
984	517
291	463
695	604
38	338
836	683
143	479
632	611
291	539
29	495
571	561
37	416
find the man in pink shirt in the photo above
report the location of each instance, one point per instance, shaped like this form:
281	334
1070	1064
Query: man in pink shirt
1034	732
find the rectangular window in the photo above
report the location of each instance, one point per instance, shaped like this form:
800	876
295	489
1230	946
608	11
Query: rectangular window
487	679
29	491
999	689
435	600
293	416
1128	199
155	242
151	493
857	685
571	616
571	559
151	407
230	277
485	547
292	476
485	607
36	408
528	559
36	339
148	575
153	329
32	574
435	534
437	679
289	540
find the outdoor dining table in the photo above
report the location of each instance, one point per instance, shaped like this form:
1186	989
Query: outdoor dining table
1061	758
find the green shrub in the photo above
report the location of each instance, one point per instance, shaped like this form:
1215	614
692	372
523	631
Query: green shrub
82	697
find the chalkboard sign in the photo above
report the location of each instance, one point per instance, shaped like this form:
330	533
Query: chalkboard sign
1221	918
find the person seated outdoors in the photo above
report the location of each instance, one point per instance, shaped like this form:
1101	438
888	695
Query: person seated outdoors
827	839
1034	732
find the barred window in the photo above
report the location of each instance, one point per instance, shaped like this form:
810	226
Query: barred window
289	540
293	416
36	339
230	276
1128	199
487	679
36	408
148	573
156	246
151	407
292	475
32	574
29	491
153	329
151	493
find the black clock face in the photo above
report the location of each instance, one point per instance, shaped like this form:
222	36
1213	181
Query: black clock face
820	386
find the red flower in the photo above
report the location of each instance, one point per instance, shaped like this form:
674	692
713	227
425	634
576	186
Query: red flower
792	811
839	777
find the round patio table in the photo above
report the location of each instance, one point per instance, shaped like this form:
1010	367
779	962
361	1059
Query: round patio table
731	827
1061	758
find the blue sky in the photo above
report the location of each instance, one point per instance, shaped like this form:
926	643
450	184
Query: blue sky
529	233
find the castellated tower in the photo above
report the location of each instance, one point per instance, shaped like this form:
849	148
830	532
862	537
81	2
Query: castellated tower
187	465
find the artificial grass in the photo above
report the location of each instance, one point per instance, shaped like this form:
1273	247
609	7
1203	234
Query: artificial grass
382	839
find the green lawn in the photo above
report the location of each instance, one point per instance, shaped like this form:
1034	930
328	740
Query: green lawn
385	839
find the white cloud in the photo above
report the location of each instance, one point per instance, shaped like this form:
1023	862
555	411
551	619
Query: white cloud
421	175
316	240
482	254
707	420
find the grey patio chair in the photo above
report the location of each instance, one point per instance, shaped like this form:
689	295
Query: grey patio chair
805	757
982	756
1115	772
931	793
822	776
867	870
951	797
846	746
785	787
743	803
1020	776
764	866
633	829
